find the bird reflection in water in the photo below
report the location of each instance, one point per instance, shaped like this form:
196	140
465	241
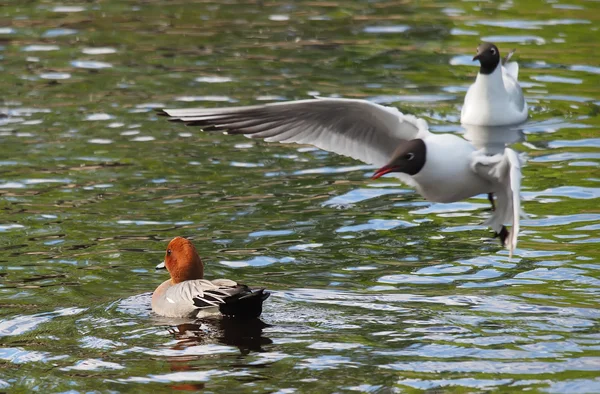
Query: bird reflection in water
493	139
246	335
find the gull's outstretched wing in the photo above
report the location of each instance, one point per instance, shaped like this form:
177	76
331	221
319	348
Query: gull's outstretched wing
359	129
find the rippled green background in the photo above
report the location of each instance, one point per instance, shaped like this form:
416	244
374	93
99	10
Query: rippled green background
374	289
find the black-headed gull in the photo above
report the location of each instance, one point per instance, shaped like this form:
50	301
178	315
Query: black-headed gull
496	98
442	167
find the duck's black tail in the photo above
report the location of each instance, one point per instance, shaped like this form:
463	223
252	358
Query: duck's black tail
244	305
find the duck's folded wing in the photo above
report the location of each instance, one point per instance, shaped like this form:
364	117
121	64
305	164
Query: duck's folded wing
195	297
503	169
202	293
356	128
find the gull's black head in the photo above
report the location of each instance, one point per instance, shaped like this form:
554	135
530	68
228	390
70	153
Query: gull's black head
409	158
488	56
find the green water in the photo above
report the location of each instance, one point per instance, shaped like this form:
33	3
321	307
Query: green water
374	289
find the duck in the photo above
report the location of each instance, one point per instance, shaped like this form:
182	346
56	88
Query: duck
441	167
188	295
495	98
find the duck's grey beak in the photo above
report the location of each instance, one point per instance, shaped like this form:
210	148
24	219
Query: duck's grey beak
161	266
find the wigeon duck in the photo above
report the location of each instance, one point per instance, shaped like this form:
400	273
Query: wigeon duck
187	294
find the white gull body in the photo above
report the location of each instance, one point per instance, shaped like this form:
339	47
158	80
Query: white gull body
495	99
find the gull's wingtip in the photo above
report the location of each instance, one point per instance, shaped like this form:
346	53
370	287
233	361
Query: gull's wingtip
165	113
508	56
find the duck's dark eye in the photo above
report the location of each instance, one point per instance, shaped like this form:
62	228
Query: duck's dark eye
168	252
410	156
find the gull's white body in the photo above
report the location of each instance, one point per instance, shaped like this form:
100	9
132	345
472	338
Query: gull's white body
447	175
495	99
369	132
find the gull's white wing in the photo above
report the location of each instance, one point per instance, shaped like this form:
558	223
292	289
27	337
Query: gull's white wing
359	129
510	77
512	68
503	170
513	89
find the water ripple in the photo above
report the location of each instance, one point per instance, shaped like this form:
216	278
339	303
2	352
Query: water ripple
496	367
270	233
393	29
376	224
577	192
559	220
258	261
98	51
21	356
489	273
68	8
22	324
182	376
516	38
88	64
362	194
58	33
92	364
40	48
461	382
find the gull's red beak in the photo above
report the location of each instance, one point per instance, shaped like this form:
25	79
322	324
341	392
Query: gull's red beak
382	171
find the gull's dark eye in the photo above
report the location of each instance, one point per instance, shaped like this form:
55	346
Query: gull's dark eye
493	51
168	252
410	156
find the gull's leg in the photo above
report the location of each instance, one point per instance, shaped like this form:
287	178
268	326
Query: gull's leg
503	235
491	199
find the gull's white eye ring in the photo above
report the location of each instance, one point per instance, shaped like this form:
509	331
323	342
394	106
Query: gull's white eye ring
410	156
493	51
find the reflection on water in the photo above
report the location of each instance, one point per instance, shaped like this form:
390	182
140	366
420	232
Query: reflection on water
247	336
373	288
493	140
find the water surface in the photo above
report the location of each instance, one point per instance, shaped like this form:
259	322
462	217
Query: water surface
374	289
